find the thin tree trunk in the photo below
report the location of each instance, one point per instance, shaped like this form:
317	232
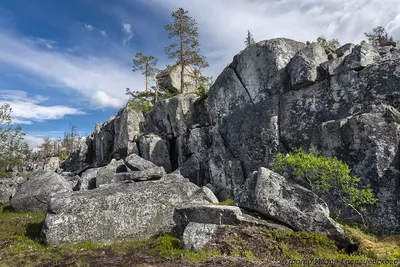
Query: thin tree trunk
181	54
147	89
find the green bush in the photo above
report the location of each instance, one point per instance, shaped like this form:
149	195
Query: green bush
140	104
324	174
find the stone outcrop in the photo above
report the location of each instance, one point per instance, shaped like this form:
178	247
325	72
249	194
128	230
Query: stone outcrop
277	95
304	66
35	194
137	210
170	79
275	197
155	149
8	187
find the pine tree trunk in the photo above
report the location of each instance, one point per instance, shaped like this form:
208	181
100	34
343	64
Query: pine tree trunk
181	55
147	70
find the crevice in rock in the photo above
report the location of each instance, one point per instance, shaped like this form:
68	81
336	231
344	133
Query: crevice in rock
173	154
256	214
244	86
43	202
242	164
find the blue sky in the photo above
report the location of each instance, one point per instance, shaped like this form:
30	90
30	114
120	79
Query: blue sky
69	62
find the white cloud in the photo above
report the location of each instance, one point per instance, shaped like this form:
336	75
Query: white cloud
128	35
27	109
49	44
103	33
89	27
86	75
303	20
33	141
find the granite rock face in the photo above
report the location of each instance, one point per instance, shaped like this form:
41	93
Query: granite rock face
275	197
137	210
277	95
8	187
304	66
35	194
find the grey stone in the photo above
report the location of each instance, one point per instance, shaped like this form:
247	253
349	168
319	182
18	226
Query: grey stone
105	175
274	196
137	210
345	50
8	187
303	68
88	179
149	174
170	79
34	194
128	126
137	163
196	235
361	57
153	148
207	213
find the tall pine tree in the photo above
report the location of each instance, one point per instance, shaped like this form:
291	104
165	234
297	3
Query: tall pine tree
249	39
146	64
186	47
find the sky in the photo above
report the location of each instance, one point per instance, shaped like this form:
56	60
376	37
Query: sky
70	62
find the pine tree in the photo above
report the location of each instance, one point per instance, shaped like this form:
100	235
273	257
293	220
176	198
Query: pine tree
249	39
146	64
378	36
186	48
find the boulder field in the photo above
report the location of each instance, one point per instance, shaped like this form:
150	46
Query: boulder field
138	175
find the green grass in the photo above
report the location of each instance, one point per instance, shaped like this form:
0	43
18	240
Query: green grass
20	246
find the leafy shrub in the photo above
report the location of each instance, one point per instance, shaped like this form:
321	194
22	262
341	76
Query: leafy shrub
140	104
324	174
328	44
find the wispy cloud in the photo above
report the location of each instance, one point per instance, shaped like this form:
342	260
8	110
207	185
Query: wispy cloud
223	35
101	81
103	33
89	27
128	35
27	109
49	44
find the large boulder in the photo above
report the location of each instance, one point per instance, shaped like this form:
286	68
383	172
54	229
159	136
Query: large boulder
303	67
361	57
138	210
87	180
105	175
272	195
137	163
170	79
34	194
155	173
8	187
369	142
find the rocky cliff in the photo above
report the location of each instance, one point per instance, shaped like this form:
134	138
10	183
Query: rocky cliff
276	95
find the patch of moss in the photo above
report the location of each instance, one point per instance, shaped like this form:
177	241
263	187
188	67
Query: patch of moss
227	202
